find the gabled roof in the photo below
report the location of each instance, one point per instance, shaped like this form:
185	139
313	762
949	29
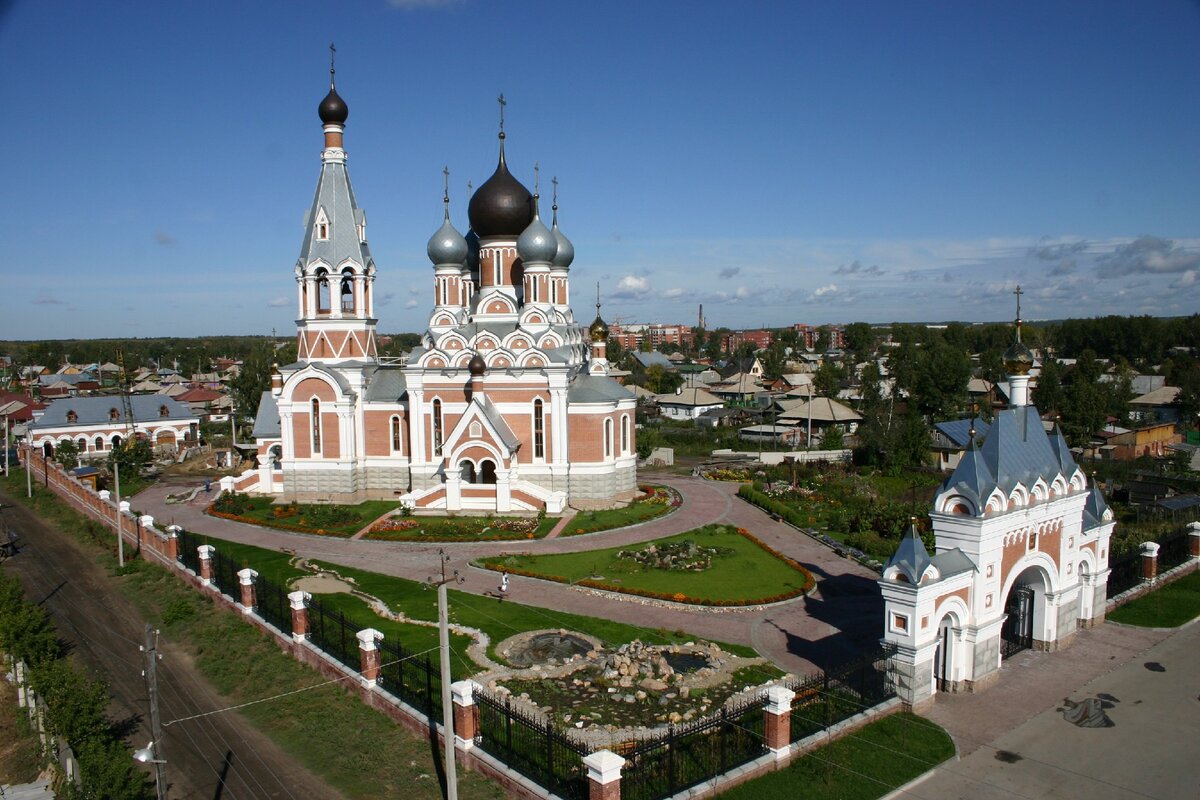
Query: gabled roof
823	410
266	421
652	358
198	396
1163	396
952	562
958	431
1094	508
689	397
98	410
596	389
388	385
911	558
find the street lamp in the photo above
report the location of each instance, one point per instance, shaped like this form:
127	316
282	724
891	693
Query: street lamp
146	755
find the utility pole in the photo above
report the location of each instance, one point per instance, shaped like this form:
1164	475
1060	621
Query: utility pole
150	653
28	470
120	532
444	642
6	445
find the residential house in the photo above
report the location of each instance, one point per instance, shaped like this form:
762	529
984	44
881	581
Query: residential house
823	412
98	424
1158	405
687	403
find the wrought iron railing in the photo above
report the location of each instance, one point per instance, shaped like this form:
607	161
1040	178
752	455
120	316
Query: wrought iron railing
1125	572
271	603
334	634
411	677
225	575
1173	550
188	557
685	755
530	744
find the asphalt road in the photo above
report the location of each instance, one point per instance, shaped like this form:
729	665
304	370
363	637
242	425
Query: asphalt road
219	757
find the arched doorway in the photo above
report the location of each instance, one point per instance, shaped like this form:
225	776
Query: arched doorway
943	660
1025	612
48	450
466	470
1086	595
487	470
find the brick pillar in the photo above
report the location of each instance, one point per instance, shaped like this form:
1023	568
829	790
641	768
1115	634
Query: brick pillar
1194	539
1149	561
173	542
205	552
299	603
466	714
246	578
369	655
777	720
604	775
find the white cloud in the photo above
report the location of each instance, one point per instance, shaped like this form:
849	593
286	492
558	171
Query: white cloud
411	304
824	290
1185	281
631	286
729	272
674	293
279	302
1148	254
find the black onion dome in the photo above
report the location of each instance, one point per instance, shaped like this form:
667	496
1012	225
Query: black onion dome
502	206
333	109
476	366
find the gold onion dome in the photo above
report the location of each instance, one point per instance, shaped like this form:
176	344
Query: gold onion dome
598	330
1018	359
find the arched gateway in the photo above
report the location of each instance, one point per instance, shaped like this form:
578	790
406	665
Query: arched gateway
1020	555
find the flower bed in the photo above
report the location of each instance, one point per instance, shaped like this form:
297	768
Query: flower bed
321	520
459	529
657	501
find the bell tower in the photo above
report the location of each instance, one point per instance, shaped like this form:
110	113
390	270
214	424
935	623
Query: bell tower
335	273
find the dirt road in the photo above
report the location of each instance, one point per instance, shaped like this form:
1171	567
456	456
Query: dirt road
219	757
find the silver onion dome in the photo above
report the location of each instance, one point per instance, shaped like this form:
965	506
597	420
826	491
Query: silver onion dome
447	246
537	245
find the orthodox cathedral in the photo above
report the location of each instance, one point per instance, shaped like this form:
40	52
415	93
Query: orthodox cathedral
506	405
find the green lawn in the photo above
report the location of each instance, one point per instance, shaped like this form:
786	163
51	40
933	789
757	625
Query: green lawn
19	758
863	766
660	504
327	520
1166	607
741	572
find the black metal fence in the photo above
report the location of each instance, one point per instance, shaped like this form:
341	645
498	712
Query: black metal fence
188	542
271	603
830	696
225	575
334	634
685	755
1173	550
413	678
531	745
1125	572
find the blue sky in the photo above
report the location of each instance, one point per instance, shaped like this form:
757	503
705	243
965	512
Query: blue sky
778	162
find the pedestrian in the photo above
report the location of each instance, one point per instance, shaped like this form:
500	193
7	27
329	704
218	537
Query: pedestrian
503	583
207	485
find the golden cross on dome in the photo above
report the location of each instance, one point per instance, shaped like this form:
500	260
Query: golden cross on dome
332	53
446	183
502	103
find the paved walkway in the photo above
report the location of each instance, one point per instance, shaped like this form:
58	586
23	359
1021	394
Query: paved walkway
1016	743
835	622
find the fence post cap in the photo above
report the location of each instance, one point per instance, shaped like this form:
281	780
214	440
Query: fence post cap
1150	549
104	494
779	699
603	766
173	530
299	600
124	507
463	692
1194	528
246	576
206	550
367	638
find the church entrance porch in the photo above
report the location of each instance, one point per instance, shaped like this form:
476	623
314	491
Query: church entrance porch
1017	632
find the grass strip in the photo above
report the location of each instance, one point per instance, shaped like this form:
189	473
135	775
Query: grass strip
862	766
340	521
355	748
660	501
20	761
1168	606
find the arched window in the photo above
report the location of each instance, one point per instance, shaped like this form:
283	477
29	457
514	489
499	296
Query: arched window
466	471
624	434
113	415
98	443
608	438
487	470
322	291
316	427
116	442
437	427
347	290
72	416
82	444
539	429
395	434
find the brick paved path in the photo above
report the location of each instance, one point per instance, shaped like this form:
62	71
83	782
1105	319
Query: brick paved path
840	618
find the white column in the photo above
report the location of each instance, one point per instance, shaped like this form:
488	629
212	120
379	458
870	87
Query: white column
453	490
503	491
